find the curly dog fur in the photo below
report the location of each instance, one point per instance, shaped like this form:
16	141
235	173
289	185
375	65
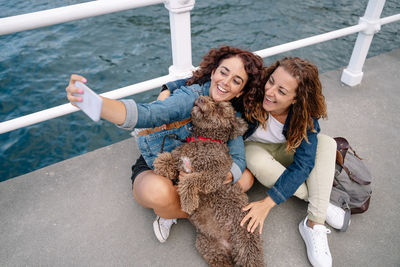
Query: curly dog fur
215	208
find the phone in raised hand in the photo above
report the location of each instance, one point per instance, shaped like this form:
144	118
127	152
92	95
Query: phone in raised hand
91	102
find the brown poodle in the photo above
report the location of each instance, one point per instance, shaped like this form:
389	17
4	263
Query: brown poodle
215	208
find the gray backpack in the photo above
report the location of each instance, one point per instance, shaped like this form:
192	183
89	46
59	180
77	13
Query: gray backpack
352	183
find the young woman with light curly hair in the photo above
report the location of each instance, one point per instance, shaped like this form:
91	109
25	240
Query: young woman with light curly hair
287	154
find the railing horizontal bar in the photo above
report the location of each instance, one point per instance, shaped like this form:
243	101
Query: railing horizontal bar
95	8
390	19
49	17
319	38
309	41
64	109
139	87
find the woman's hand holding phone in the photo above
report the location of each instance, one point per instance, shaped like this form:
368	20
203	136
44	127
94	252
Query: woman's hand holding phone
83	97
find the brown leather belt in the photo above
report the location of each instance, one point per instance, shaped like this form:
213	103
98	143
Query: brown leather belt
168	126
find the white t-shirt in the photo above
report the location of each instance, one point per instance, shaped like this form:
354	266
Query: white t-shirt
272	134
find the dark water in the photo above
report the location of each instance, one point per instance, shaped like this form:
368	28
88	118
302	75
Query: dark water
124	48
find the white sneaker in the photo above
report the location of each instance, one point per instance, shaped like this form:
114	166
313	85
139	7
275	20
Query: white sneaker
317	244
161	228
337	217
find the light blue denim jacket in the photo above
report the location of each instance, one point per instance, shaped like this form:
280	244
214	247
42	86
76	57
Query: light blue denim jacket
177	107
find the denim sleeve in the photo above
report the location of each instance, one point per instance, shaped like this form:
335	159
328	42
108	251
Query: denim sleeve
172	86
177	107
131	114
298	171
236	149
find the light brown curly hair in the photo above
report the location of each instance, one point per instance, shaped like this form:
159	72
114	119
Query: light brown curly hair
310	102
253	66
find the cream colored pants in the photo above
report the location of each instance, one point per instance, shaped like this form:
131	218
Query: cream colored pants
267	162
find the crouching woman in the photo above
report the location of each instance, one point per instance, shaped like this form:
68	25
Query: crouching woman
286	153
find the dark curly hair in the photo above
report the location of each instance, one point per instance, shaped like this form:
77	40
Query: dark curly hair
310	102
253	66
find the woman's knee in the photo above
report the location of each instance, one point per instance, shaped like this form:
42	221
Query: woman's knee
327	142
152	190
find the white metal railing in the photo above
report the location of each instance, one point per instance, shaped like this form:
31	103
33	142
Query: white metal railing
68	13
179	12
353	74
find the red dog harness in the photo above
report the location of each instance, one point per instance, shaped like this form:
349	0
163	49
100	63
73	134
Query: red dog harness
201	138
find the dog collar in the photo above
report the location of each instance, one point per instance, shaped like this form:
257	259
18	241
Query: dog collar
201	138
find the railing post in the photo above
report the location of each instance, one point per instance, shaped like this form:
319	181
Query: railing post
179	17
353	74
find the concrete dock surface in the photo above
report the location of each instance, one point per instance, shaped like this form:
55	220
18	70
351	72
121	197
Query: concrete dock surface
80	212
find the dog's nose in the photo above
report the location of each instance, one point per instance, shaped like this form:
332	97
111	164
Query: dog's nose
199	100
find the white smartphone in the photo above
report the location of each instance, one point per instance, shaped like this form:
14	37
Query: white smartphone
91	102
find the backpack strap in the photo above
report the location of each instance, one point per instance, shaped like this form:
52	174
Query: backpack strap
353	177
342	147
346	221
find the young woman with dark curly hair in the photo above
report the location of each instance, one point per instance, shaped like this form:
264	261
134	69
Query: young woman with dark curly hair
225	74
286	153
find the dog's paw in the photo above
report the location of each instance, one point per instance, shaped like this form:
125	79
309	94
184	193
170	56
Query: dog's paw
165	165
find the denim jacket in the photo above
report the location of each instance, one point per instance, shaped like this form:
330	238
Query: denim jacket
177	107
299	170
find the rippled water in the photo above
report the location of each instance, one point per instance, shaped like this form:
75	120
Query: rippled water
127	47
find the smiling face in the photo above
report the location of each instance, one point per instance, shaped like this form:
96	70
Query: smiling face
280	92
228	80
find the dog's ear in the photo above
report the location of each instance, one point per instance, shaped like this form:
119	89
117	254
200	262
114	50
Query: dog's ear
189	192
239	128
